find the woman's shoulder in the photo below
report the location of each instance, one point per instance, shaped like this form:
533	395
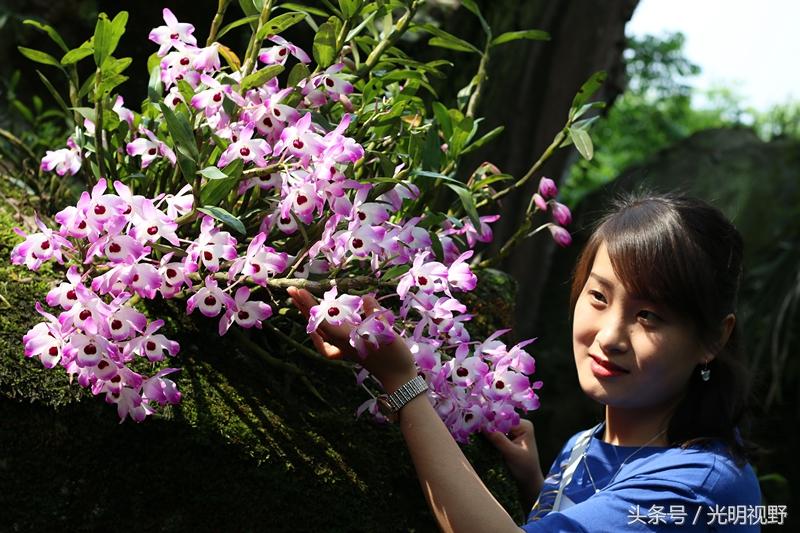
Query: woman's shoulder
708	470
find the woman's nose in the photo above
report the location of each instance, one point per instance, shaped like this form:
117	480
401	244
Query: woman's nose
612	337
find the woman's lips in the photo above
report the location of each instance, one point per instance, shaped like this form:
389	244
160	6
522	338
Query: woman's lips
604	369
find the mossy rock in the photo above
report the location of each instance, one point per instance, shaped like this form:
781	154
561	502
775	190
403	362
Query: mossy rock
249	448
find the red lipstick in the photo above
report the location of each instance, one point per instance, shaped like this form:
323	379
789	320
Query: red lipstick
602	368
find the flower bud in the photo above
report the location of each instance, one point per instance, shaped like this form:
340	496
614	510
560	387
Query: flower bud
561	214
547	188
560	235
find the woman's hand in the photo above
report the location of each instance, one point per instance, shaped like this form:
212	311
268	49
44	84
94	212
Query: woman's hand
392	364
522	457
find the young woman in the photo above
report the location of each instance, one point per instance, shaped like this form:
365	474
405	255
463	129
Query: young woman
655	341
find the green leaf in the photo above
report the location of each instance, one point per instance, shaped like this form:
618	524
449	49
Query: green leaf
248	8
278	24
426	174
447	40
534	35
49	30
583	142
224	217
181	132
588	89
355	31
107	34
443	118
85	112
235	24
483	140
212	173
468	202
76	54
431	150
488	180
56	95
298	72
304	9
215	190
395	272
155	88
585	108
260	77
349	8
39	57
451	45
325	45
473	7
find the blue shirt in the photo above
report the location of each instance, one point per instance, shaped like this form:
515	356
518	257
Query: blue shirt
656	489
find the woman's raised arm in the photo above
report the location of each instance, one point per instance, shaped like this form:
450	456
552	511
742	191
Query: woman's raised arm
456	495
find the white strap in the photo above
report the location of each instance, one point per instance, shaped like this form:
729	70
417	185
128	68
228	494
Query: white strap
581	443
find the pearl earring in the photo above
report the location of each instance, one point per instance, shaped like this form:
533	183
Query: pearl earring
705	372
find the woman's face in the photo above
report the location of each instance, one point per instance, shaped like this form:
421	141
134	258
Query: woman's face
629	353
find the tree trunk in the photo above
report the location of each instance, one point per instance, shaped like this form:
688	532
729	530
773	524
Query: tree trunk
529	91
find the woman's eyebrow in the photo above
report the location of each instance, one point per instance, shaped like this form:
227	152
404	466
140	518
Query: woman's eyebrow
600	279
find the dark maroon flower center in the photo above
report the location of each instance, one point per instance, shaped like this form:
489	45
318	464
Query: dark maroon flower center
462	372
174	36
282	52
99	210
301	199
298	144
285	220
90	349
116	324
116	379
71	295
135	278
208	256
114	248
85	314
499	384
184	61
127	211
53	350
245	151
210	300
361	216
150	346
171	273
82	224
217	97
358	243
102	364
468	417
277	112
333	311
176	101
45	245
152	230
267	122
243	315
329	82
152	151
256	269
422	280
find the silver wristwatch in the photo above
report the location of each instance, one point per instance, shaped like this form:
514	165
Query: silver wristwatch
390	404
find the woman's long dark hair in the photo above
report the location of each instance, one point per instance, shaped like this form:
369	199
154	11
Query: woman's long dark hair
683	253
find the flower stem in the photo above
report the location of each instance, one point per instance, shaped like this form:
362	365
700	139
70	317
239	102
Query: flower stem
217	21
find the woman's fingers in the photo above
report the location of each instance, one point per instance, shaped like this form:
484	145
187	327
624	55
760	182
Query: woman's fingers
325	348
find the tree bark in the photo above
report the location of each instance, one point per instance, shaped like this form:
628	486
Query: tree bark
529	91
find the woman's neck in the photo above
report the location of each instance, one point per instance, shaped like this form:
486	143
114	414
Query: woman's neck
637	427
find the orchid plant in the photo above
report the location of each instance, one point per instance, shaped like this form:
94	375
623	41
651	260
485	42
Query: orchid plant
236	180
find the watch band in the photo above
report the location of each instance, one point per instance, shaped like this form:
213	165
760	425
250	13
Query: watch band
390	404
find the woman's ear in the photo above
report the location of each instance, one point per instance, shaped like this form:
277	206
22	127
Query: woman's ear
727	328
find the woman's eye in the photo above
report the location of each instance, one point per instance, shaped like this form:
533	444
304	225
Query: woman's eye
648	316
597	296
